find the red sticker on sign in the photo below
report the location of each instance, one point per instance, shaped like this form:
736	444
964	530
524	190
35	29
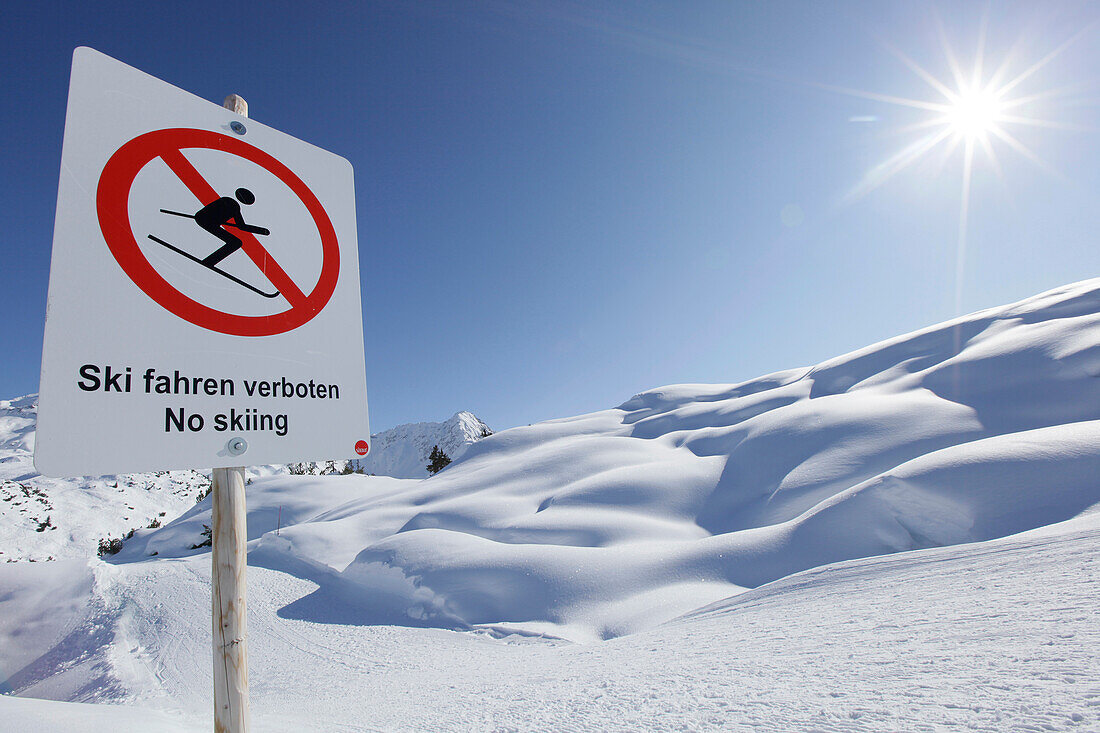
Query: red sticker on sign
362	447
216	213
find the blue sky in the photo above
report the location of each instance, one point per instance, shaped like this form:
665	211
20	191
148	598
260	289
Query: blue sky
563	203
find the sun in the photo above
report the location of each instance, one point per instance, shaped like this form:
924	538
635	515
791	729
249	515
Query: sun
975	113
974	110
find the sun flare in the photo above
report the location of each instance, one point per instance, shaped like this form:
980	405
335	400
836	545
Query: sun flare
974	113
975	109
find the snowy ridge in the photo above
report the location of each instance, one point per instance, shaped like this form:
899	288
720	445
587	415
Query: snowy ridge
403	451
604	524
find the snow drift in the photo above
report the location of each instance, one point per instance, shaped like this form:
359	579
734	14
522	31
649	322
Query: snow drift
604	524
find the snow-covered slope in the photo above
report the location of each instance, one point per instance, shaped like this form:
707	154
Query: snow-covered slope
997	636
603	524
403	451
43	518
902	538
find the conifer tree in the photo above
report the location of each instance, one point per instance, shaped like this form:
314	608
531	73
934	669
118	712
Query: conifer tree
437	461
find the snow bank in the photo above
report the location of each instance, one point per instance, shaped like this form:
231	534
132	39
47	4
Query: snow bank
605	524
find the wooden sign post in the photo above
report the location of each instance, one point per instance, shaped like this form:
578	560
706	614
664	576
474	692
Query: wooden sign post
229	559
229	537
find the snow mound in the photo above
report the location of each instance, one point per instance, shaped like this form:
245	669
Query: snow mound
403	451
605	524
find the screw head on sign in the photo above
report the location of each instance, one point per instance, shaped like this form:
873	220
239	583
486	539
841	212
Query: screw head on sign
236	446
237	127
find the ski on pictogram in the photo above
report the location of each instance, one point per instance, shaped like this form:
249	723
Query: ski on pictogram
221	272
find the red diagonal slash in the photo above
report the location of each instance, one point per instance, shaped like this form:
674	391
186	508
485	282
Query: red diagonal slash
205	193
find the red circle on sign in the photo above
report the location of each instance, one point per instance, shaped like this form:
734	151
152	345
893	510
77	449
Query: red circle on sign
362	447
112	205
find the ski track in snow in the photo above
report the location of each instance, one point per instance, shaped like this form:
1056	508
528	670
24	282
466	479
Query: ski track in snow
994	636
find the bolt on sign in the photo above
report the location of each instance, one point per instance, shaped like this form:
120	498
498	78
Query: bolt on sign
204	306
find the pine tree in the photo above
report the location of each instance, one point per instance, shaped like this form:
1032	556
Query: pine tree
437	461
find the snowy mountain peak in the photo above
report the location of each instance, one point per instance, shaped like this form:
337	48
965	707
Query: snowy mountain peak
468	425
403	451
17	420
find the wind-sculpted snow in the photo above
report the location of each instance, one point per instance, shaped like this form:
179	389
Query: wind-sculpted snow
604	524
876	543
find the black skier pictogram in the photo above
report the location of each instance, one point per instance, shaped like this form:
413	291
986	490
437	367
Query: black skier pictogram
212	218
